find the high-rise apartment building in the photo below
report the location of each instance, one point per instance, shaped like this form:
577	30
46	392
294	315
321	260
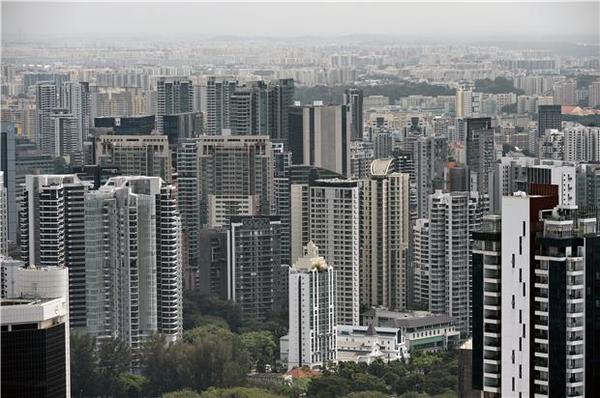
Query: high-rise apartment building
145	155
564	93
67	135
218	94
581	143
220	177
442	247
430	157
8	166
549	117
385	229
481	156
174	95
535	330
249	109
133	261
594	94
320	136
588	189
46	101
281	98
253	261
76	98
51	231
328	213
312	318
353	97
3	217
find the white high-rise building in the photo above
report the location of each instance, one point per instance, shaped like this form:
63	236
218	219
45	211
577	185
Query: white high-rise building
581	143
312	330
442	254
133	261
46	101
386	220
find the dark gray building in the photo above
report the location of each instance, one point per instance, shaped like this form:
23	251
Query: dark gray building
549	117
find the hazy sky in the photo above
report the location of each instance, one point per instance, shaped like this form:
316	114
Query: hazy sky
472	21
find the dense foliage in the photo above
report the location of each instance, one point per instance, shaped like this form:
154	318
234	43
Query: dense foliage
497	86
216	359
394	91
432	374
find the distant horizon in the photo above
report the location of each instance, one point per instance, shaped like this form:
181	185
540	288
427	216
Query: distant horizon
30	22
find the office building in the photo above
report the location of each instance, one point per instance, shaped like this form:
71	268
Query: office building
353	97
51	231
133	262
320	135
549	117
127	125
253	262
220	177
174	95
46	101
385	228
312	330
145	155
35	334
442	261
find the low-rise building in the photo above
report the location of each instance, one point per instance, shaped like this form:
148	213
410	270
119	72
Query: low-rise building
369	343
421	330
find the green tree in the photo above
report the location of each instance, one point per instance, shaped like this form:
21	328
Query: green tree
367	382
61	166
114	358
329	387
260	347
238	392
83	365
185	393
367	394
132	386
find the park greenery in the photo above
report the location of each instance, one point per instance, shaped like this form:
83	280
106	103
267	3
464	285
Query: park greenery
222	356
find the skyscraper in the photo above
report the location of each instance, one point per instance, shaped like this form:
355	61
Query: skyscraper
174	95
249	109
430	157
442	247
218	94
253	259
133	261
385	229
51	231
76	99
8	166
312	318
535	332
328	213
220	177
3	217
353	97
281	98
146	155
320	136
481	156
46	101
549	117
